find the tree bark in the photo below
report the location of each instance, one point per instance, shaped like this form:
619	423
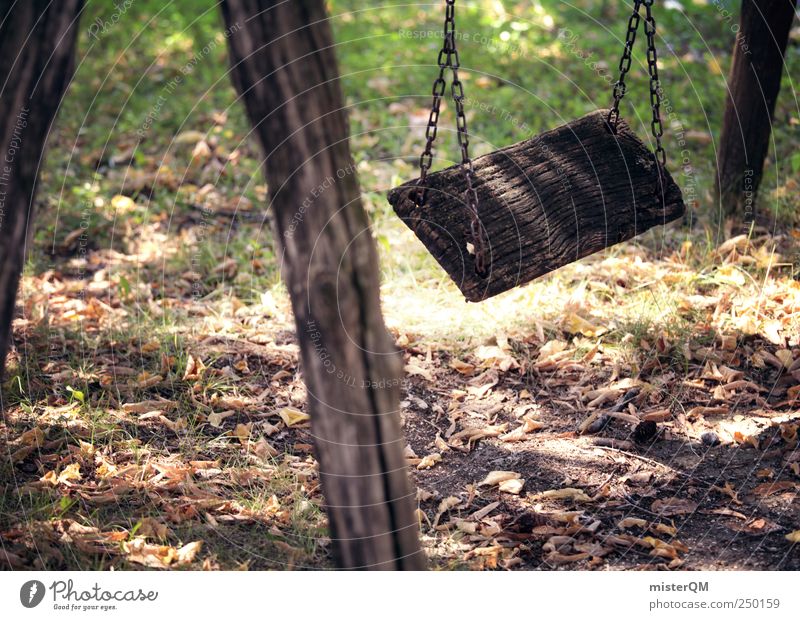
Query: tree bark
284	68
37	45
753	86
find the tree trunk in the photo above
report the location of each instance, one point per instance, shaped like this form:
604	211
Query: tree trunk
753	87
37	45
284	68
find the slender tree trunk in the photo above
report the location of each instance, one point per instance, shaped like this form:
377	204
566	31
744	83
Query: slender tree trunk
37	45
753	87
284	68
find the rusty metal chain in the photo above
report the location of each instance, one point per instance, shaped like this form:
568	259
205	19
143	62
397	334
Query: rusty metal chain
624	64
439	85
655	83
620	88
448	59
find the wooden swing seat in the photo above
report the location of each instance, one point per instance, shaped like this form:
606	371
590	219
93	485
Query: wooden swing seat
544	203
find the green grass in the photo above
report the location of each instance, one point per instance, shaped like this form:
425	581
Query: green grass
520	75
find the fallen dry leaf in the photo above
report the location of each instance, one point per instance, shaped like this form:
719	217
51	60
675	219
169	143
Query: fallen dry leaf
494	478
448	503
513	486
755	527
264	450
575	495
33	437
705	411
495	356
629	522
176	426
293	417
766	489
188	552
483	512
673	506
145	380
575	324
413	369
215	419
152	556
663	528
150	527
520	433
160	556
70	473
194	368
662	415
149	405
429	461
462	367
112	496
242	432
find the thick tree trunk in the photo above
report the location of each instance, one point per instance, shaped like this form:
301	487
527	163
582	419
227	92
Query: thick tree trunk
284	67
753	87
37	44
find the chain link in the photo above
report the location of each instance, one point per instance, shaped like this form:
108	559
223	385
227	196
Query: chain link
655	83
448	59
620	87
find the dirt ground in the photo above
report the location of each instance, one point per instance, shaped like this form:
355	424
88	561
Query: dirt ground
136	438
712	507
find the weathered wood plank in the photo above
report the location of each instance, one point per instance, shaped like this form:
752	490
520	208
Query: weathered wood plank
544	203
